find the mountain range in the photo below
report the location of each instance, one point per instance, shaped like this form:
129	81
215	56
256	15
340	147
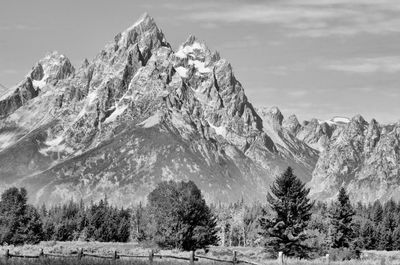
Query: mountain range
139	113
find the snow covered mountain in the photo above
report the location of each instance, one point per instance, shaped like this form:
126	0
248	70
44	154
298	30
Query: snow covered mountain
137	114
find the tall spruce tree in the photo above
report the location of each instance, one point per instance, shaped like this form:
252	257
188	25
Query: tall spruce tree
341	216
285	230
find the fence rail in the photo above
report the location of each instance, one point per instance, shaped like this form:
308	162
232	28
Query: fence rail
150	257
192	258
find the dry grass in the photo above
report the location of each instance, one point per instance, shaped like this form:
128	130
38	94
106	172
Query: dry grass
252	254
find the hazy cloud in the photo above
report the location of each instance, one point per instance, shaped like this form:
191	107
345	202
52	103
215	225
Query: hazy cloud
367	65
243	42
18	27
297	93
309	18
8	72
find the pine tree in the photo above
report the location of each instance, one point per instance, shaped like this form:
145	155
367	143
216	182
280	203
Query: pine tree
19	222
341	216
396	238
180	217
285	230
367	235
377	212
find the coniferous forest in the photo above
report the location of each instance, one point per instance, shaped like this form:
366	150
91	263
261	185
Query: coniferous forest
176	216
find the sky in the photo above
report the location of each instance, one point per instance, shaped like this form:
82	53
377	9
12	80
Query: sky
313	58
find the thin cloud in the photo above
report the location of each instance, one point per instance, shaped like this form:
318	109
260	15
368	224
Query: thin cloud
367	65
20	27
9	72
297	93
309	18
265	14
244	42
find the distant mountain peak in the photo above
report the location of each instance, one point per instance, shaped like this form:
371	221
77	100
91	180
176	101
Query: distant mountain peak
145	20
193	48
145	30
53	67
358	119
273	114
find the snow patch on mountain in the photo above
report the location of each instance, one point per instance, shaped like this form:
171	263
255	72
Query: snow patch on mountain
220	130
56	145
182	71
117	112
152	120
184	51
337	120
200	66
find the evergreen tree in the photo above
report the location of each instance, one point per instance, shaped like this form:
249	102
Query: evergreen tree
180	217
19	222
377	212
367	235
33	227
396	238
285	230
341	216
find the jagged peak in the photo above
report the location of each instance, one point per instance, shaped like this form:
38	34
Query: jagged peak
291	123
358	119
373	122
273	113
52	67
53	58
144	20
145	23
54	55
193	46
291	119
190	40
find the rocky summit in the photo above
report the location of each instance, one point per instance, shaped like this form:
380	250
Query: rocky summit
139	113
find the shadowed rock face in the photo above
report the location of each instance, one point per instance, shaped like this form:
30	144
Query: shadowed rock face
137	114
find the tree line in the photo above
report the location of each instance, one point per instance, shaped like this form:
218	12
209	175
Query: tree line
22	223
177	216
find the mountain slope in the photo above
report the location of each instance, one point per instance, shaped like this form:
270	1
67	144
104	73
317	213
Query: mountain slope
139	113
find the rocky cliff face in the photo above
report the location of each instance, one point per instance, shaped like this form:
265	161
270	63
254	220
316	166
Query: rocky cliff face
137	114
364	158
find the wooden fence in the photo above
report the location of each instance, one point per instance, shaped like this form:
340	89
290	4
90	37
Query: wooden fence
150	257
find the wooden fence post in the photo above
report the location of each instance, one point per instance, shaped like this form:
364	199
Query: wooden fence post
151	256
7	254
115	256
234	259
191	257
41	254
80	254
327	259
280	258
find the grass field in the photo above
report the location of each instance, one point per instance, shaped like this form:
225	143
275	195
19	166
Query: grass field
107	249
